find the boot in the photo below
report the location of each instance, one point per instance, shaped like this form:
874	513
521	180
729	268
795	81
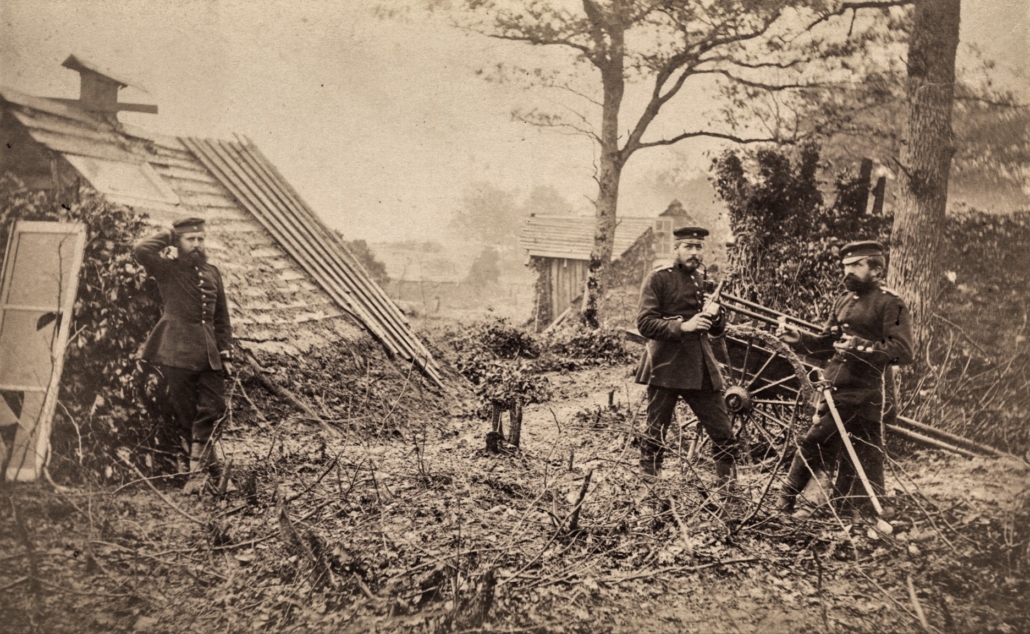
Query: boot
822	486
726	486
797	478
203	463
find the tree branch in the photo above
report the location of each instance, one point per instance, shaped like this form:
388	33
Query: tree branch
714	135
857	6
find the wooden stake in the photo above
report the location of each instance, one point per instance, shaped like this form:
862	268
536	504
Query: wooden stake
574	518
916	605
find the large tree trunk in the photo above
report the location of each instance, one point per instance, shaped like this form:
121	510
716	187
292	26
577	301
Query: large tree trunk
609	173
915	267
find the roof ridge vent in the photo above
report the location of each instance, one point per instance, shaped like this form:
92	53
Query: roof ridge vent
98	90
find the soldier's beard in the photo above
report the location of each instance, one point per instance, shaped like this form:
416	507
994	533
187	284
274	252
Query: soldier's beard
856	285
691	264
195	257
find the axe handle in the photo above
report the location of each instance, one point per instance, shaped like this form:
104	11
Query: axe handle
851	451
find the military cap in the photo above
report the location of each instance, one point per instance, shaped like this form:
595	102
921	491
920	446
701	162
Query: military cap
854	251
186	225
690	233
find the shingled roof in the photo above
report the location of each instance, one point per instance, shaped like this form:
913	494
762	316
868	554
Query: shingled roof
289	278
572	237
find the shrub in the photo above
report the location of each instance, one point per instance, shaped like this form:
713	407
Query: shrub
573	345
107	398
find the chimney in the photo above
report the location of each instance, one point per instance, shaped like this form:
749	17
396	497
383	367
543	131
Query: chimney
98	90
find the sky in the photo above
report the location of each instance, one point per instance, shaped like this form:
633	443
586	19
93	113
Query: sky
380	124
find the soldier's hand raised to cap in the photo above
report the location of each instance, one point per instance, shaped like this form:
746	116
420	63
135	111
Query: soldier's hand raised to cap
698	323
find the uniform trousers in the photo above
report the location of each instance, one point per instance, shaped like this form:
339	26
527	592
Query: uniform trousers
822	448
198	398
707	405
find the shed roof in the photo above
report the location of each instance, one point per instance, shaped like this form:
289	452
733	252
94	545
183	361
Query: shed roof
572	237
287	274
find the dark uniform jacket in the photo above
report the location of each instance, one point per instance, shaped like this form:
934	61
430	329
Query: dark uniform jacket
194	326
881	326
674	359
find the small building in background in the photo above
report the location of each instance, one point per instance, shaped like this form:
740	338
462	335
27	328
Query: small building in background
559	248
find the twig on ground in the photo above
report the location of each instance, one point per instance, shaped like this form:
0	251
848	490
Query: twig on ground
163	497
574	518
674	569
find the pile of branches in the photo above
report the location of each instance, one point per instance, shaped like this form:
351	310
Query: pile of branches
334	532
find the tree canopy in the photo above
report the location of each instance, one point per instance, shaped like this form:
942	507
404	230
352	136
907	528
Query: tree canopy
742	54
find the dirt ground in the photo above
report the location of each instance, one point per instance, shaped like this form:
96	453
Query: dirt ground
420	529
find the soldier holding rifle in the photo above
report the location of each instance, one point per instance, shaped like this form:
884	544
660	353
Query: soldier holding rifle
867	332
678	361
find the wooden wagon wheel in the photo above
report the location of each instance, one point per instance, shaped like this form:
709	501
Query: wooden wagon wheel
768	393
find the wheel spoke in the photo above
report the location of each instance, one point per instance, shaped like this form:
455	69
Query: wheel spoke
773	384
774	419
771	402
747	353
762	369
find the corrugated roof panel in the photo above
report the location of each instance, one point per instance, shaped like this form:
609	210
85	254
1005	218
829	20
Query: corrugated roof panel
572	237
258	186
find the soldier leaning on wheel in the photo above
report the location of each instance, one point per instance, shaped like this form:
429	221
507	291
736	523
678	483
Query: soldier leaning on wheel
192	343
867	332
678	361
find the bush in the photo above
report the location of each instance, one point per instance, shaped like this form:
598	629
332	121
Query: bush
573	346
107	398
497	358
772	195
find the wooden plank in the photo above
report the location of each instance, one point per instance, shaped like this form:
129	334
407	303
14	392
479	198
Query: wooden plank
83	147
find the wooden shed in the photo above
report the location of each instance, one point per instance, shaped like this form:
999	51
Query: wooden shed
559	248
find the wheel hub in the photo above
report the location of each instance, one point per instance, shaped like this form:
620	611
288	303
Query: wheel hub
737	400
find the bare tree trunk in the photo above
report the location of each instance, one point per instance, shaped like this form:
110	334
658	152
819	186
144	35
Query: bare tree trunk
610	170
915	269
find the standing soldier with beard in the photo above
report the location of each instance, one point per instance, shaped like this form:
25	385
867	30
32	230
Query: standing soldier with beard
192	342
867	332
678	361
